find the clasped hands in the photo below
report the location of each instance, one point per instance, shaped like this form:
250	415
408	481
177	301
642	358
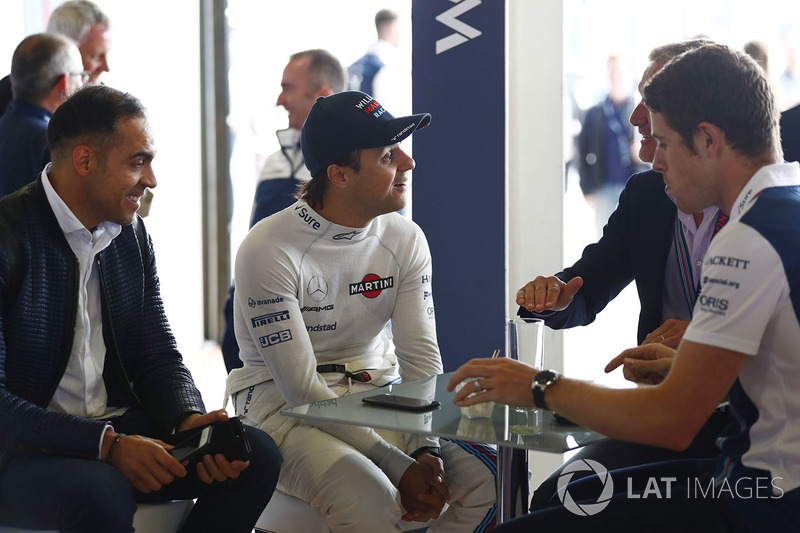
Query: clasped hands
423	491
149	466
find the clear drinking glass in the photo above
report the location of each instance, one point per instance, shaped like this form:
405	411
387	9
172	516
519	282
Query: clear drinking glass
525	342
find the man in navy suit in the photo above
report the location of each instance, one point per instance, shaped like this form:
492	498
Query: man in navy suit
649	240
790	133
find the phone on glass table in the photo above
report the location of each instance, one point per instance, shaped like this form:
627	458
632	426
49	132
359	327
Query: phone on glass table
401	402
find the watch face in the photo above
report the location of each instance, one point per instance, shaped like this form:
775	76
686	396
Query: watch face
545	376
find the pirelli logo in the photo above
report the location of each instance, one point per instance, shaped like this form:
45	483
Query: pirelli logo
371	286
269	318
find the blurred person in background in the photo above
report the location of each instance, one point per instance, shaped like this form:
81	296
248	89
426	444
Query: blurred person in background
308	75
46	69
84	22
758	51
375	72
89	28
606	145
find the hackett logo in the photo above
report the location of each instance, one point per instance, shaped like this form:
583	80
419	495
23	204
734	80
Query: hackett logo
371	286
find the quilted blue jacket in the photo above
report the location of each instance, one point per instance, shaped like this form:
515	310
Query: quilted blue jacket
38	305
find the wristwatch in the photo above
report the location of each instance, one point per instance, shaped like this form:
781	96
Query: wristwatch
541	381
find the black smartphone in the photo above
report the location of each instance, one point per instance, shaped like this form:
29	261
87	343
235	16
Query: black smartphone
194	446
401	402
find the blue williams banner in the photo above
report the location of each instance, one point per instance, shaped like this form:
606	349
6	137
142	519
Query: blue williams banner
459	184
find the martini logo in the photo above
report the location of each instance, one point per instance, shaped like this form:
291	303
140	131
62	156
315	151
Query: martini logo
371	286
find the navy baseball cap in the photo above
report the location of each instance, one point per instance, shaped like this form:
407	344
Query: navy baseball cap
351	120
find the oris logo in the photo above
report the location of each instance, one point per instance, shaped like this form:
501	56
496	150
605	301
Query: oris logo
317	288
718	304
463	32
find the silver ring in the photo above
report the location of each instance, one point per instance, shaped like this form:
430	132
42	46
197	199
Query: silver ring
478	385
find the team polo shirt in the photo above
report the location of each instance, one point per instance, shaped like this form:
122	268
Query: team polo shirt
750	303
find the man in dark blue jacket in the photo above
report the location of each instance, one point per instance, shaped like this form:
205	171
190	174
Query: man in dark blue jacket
790	133
91	381
46	69
649	241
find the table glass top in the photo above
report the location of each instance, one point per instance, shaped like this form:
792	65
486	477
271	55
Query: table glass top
555	435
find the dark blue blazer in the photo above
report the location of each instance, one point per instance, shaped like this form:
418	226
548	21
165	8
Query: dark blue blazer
38	305
23	145
790	134
634	247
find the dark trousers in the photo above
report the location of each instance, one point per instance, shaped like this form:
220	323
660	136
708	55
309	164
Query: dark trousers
614	455
671	496
81	495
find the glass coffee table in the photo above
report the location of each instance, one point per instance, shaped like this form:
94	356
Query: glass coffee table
553	435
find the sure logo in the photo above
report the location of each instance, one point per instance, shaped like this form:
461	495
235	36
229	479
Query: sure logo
371	286
275	338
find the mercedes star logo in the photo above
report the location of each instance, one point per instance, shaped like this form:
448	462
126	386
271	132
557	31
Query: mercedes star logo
317	288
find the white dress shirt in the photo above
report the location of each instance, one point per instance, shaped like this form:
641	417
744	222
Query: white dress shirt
82	391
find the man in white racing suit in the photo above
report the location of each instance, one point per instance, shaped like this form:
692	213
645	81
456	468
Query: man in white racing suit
316	285
308	75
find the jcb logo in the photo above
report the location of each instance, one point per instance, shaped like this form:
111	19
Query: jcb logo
463	32
275	338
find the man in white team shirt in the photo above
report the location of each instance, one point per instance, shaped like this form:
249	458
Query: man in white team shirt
316	285
716	123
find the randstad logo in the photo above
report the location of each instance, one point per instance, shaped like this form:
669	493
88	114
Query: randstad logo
585	509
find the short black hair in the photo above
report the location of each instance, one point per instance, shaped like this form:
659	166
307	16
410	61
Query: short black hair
90	116
723	87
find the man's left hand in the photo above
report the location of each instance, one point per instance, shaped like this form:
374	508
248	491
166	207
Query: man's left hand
669	333
502	380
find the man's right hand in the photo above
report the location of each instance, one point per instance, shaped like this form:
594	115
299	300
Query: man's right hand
421	493
548	294
648	364
145	462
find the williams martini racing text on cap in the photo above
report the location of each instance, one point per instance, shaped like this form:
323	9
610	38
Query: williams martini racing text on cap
351	120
